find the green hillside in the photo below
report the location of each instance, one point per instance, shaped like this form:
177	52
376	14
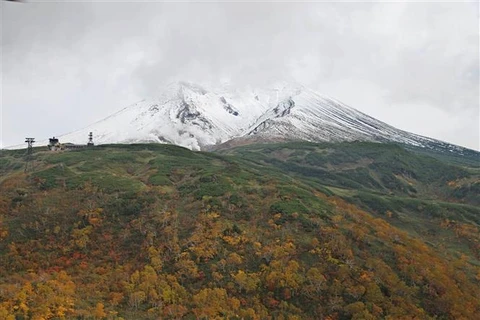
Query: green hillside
278	231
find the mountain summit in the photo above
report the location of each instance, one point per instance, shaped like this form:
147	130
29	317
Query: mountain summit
198	117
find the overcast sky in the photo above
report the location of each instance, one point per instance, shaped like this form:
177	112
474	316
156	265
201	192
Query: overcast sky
412	65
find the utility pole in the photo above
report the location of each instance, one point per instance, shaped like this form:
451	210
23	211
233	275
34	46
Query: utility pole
28	164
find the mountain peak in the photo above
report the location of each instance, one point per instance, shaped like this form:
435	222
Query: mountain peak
200	116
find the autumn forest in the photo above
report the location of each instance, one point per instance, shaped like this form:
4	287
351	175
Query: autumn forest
273	231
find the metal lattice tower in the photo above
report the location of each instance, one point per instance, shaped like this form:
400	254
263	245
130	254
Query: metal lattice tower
30	142
28	164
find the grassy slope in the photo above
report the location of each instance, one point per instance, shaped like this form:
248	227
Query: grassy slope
284	230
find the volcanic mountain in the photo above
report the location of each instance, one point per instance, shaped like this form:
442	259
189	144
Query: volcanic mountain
198	118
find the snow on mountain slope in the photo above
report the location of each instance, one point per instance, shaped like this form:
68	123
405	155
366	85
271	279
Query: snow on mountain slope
196	117
310	116
184	114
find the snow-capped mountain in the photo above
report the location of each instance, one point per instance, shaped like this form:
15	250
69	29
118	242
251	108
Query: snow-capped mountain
197	117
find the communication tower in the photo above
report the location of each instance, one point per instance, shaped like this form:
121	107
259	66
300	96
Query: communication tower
90	139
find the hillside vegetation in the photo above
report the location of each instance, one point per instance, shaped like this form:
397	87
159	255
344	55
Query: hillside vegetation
279	231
